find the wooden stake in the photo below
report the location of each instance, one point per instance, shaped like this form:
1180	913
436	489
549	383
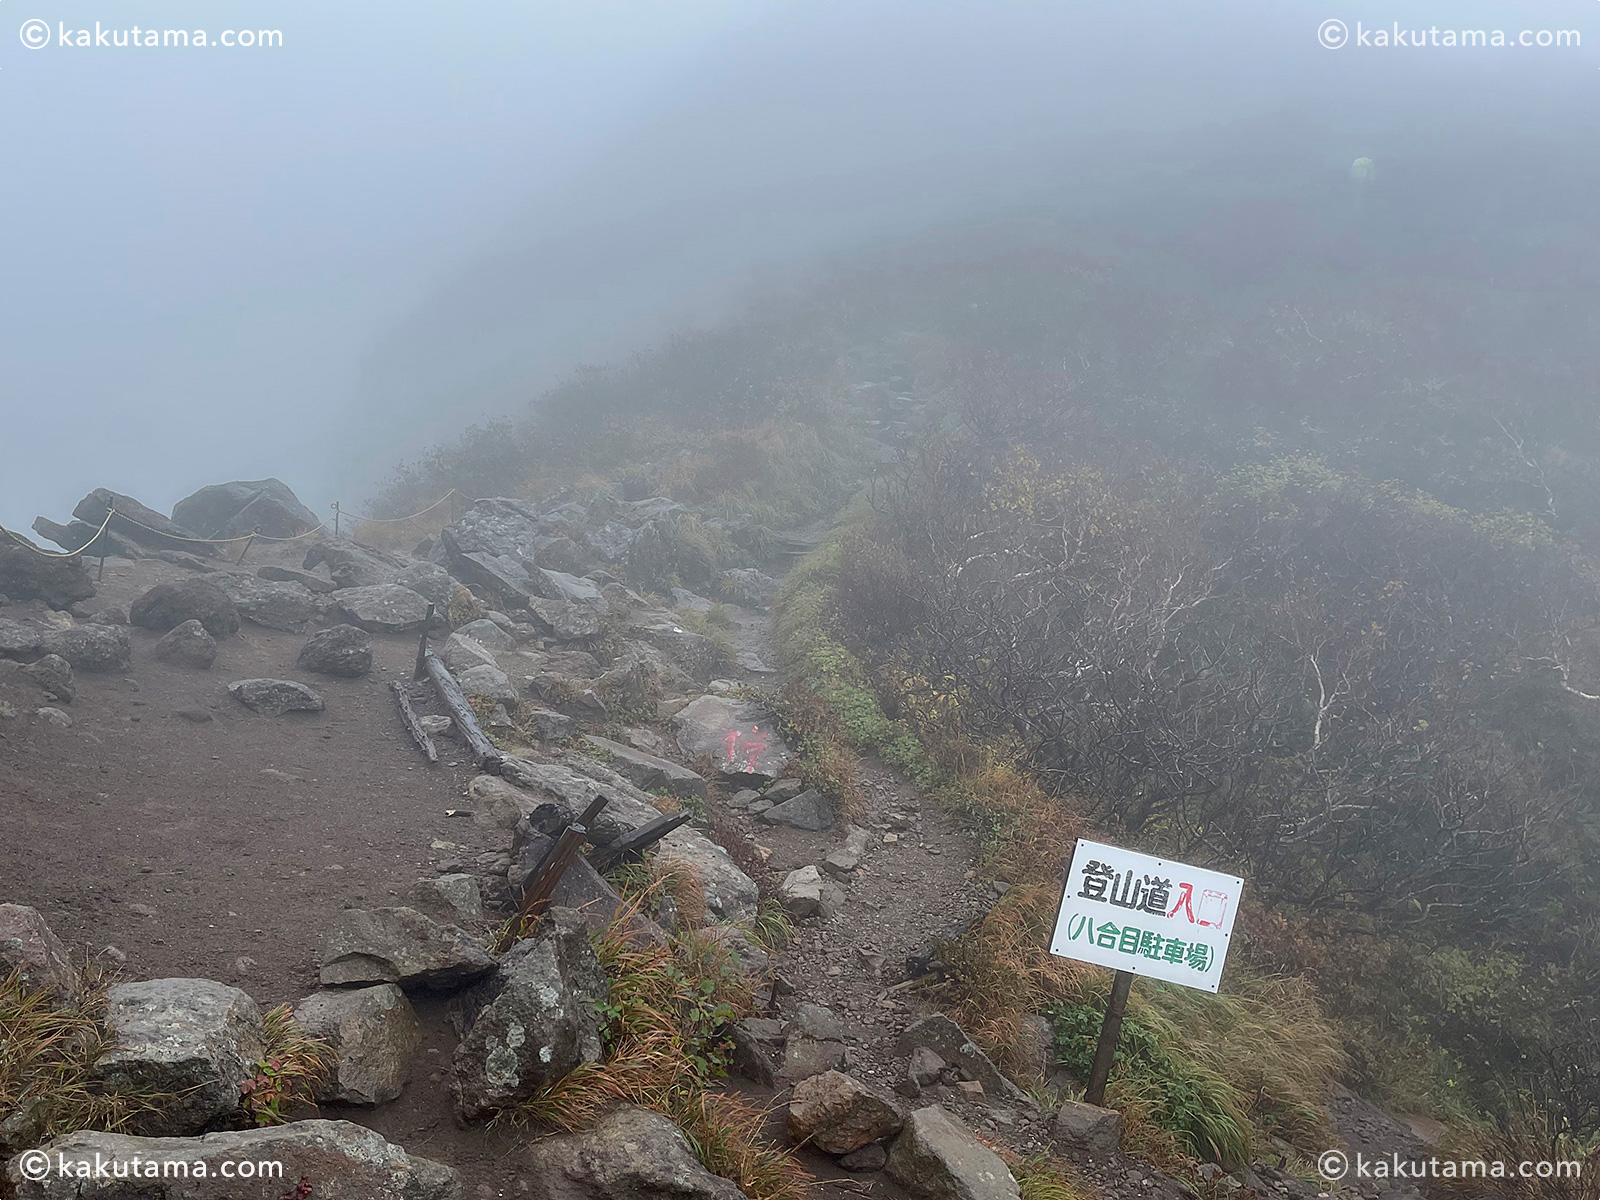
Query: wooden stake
1110	1030
542	886
247	544
422	644
413	722
637	842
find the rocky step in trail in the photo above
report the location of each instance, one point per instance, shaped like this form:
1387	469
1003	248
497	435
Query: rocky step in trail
208	789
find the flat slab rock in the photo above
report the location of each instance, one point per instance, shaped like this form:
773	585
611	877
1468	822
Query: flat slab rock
737	735
382	608
649	771
401	945
274	697
338	1160
196	1038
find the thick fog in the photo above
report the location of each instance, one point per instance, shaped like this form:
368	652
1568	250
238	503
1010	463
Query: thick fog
311	260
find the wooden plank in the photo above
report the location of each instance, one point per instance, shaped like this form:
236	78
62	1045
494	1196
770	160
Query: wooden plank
541	887
466	720
413	722
637	842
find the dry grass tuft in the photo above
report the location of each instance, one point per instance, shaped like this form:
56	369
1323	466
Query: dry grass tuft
47	1054
290	1072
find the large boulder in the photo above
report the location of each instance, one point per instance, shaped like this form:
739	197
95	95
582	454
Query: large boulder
373	1031
352	565
489	683
401	945
28	574
290	607
30	947
19	641
194	1038
488	634
649	772
274	697
461	652
80	535
564	620
140	524
693	653
343	651
245	506
947	1039
558	585
170	604
430	581
748	586
187	645
312	583
838	1113
335	1160
93	648
382	608
738	736
631	1154
938	1157
487	547
533	1021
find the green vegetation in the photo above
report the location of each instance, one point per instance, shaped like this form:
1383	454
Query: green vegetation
289	1073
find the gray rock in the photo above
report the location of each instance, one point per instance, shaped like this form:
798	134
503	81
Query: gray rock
374	1032
346	1161
274	697
784	789
455	899
806	893
631	1154
549	725
461	652
488	634
942	1035
817	1021
533	1021
140	524
225	510
30	947
171	604
430	581
926	1068
684	598
696	654
497	804
344	651
195	1038
19	641
352	565
1088	1128
865	1160
744	798
187	645
558	585
746	955
748	586
312	583
649	772
564	620
746	660
382	608
938	1157
491	683
738	736
847	858
290	607
53	716
53	675
25	574
401	945
804	1057
93	648
497	575
808	810
838	1113
750	1057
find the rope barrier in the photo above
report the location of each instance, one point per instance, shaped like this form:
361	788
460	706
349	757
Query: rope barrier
22	541
177	537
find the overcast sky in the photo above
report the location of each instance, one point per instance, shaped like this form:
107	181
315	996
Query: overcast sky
312	260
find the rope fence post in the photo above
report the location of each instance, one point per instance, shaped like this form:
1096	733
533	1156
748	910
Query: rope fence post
335	518
247	544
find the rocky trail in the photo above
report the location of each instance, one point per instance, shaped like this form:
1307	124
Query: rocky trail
205	784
